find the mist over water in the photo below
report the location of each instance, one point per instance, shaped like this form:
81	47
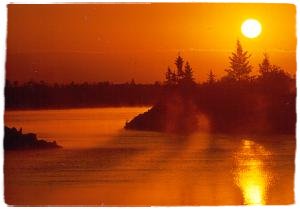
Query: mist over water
102	164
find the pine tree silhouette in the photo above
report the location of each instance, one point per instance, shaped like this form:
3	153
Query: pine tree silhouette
179	64
188	73
168	76
265	65
171	78
211	77
239	64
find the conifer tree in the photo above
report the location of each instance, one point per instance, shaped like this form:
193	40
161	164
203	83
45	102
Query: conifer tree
211	77
188	73
265	65
267	70
179	64
171	77
239	64
168	76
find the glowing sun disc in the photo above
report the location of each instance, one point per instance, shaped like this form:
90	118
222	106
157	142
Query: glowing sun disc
251	28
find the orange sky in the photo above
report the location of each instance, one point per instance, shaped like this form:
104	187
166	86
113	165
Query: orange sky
118	42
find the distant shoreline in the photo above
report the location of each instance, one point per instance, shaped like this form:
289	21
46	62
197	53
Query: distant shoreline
70	108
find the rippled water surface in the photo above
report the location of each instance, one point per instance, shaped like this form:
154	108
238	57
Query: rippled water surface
101	164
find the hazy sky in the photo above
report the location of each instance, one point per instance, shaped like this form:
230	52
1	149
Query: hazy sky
118	42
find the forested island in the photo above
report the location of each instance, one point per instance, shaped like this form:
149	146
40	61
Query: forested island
236	103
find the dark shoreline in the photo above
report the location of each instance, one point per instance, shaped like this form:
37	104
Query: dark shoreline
15	140
74	107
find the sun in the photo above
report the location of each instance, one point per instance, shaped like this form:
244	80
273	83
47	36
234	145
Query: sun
251	28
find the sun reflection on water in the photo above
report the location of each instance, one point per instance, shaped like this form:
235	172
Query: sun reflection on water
251	174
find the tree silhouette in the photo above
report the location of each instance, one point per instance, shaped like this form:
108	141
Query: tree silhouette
265	65
179	64
181	76
266	69
174	78
188	73
239	64
272	74
132	82
211	77
170	77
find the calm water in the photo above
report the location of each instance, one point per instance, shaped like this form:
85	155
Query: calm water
101	164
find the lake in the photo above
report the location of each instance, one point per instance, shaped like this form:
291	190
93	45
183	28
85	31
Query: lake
102	164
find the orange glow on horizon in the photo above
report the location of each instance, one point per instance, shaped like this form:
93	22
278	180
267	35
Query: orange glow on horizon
118	42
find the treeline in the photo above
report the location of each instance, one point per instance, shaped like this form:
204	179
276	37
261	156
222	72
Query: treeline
237	102
238	97
33	95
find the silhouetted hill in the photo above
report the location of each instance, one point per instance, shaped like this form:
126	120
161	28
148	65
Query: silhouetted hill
16	140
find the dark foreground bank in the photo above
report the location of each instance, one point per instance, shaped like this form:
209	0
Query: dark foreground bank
15	140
